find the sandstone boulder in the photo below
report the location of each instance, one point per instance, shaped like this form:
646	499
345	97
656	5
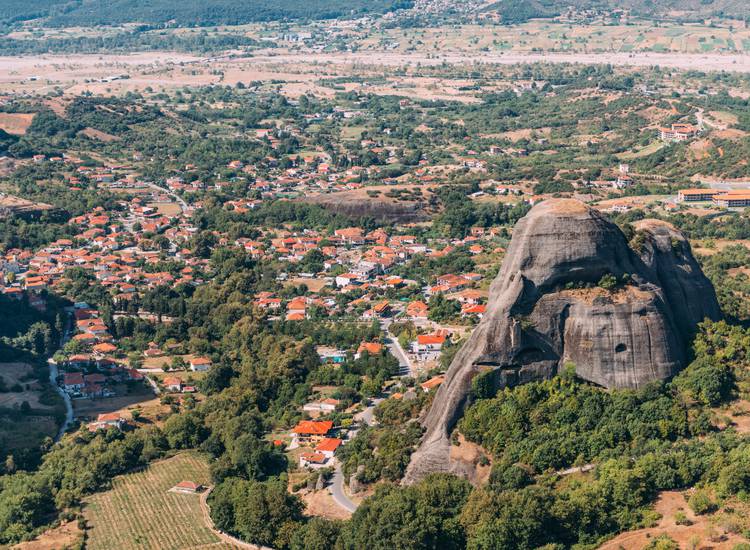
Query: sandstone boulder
547	310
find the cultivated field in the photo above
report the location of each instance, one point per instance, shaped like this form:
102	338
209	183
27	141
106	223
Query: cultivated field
140	511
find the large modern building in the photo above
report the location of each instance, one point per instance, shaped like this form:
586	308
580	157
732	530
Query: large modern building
733	199
678	132
697	195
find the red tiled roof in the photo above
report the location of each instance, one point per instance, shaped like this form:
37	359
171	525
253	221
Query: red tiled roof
312	427
328	444
430	339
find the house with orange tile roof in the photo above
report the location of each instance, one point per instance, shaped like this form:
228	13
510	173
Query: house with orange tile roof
311	431
313	460
372	348
473	309
380	309
432	383
417	310
328	446
428	346
200	364
172	384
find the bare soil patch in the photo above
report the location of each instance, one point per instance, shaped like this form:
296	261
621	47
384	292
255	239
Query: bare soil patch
62	536
22	206
94	407
16	123
724	117
729	133
525	133
706	529
321	504
737	416
468	454
169	209
313	285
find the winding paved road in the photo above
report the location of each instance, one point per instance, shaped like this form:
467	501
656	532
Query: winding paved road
53	374
394	346
336	488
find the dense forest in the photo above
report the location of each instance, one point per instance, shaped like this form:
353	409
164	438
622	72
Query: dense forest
191	13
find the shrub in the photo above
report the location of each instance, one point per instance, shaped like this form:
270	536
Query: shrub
608	282
681	519
701	503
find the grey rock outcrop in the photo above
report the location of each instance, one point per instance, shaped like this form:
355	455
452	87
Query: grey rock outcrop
545	311
355	485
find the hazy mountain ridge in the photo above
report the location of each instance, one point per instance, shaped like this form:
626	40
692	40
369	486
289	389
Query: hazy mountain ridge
63	13
66	13
522	10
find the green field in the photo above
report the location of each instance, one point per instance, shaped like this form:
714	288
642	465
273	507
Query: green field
140	512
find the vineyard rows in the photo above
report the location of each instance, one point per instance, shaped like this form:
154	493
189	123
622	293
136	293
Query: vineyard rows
140	512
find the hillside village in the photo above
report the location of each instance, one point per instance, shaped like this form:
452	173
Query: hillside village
235	282
144	255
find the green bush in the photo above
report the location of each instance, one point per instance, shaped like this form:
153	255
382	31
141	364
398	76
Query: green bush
700	502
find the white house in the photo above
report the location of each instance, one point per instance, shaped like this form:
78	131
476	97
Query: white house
346	279
313	460
73	382
428	346
322	406
200	364
328	446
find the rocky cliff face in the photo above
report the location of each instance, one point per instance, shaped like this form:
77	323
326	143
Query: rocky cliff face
543	313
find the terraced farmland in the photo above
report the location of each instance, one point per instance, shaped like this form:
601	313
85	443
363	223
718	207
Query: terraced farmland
140	512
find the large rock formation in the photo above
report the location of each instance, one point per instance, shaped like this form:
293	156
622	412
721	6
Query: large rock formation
546	310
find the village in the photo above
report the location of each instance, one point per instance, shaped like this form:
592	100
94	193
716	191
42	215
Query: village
253	288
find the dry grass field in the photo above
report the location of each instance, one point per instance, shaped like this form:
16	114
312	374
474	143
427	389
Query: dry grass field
705	531
123	399
166	208
20	373
26	431
15	123
140	511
